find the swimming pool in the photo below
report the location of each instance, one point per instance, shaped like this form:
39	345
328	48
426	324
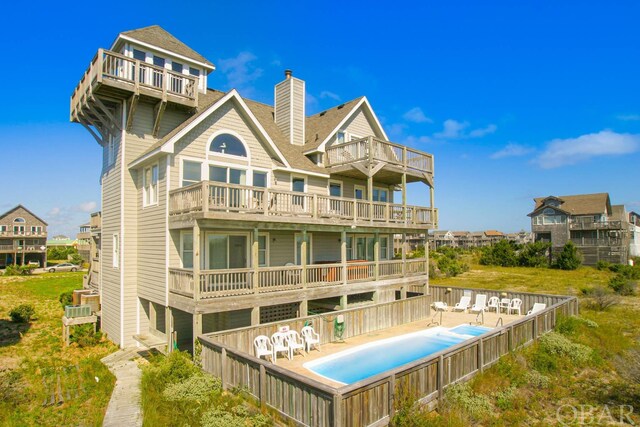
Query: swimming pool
376	357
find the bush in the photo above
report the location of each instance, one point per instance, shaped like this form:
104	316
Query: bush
603	265
555	344
66	298
18	270
77	259
84	336
448	261
569	258
534	255
22	313
194	389
461	395
219	418
536	380
622	285
569	325
502	254
505	398
601	299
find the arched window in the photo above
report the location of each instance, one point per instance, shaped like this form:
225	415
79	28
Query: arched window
19	219
549	211
228	144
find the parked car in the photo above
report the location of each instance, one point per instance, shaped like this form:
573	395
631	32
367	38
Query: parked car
65	266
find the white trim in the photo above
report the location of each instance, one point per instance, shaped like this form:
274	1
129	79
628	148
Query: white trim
304	178
146	192
302	172
161	50
363	101
208	153
122	232
181	248
167	243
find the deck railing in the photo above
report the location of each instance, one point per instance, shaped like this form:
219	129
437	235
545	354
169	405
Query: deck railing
372	401
591	224
371	148
243	281
209	196
11	233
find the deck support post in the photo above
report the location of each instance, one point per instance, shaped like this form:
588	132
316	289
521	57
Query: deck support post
263	388
303	257
255	261
392	395
255	316
337	410
168	327
440	379
426	262
343	302
404	197
343	255
376	256
404	254
434	221
197	246
197	330
304	308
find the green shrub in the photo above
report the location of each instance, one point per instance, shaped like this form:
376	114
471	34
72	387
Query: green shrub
601	299
569	325
556	344
502	253
22	313
623	285
18	270
603	265
505	398
534	255
174	368
569	258
66	298
239	417
193	389
461	396
536	380
84	336
76	259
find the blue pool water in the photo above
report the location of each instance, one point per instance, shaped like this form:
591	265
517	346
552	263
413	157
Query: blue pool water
370	359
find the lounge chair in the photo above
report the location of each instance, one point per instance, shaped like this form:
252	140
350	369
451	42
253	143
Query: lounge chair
263	347
280	344
494	304
311	338
295	342
537	307
480	305
515	306
463	305
440	306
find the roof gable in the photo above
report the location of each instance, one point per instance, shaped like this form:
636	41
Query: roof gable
25	209
581	204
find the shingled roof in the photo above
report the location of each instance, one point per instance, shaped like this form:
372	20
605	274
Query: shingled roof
157	36
319	126
581	204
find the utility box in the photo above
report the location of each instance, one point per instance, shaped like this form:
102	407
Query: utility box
71	311
77	295
92	300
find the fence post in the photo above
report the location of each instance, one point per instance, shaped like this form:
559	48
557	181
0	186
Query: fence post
337	410
510	337
223	368
263	387
481	355
440	379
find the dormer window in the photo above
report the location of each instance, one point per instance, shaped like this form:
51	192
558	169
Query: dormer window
228	144
19	219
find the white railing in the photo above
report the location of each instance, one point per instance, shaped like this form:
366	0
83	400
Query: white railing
222	197
244	281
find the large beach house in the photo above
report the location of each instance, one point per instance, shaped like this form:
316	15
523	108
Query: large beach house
220	212
23	238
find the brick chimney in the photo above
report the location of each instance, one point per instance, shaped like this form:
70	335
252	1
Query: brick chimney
290	108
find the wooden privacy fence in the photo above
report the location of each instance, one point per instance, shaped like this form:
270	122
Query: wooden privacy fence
370	402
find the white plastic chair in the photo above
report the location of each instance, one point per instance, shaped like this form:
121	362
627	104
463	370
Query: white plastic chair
539	306
463	305
480	305
504	304
263	347
494	304
280	344
515	306
311	338
295	342
440	306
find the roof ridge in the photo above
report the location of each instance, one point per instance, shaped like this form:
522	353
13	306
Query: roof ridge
336	106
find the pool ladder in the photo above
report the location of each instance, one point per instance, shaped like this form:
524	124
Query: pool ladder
499	322
433	319
477	322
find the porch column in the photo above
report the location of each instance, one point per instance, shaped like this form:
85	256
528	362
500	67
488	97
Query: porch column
303	257
168	327
255	316
426	262
376	256
404	197
370	195
255	261
343	302
343	255
404	254
197	246
197	329
403	292
304	308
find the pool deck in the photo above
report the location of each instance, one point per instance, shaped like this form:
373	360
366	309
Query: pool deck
449	320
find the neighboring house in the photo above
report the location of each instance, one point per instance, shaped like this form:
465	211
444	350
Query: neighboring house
598	229
522	237
83	239
61	241
23	238
412	241
220	212
634	234
442	238
92	278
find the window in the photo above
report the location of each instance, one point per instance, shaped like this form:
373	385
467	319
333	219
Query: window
191	172
260	179
150	186
186	249
384	248
37	229
227	175
359	192
111	150
263	250
341	137
158	61
335	189
139	55
3	228
194	72
298	248
364	248
157	79
349	248
380	195
228	144
116	251
297	185
226	251
19	219
177	67
18	229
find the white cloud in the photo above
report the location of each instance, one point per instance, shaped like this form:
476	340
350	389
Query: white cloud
629	117
452	129
240	71
327	94
416	115
512	150
87	207
416	140
560	152
479	133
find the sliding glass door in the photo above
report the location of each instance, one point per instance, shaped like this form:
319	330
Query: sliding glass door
225	251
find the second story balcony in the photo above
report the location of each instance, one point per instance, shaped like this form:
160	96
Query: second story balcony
22	233
591	224
219	200
385	159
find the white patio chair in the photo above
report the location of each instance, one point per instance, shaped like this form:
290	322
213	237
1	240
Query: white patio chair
440	306
537	307
494	304
480	305
504	304
280	344
295	342
463	305
263	347
311	338
515	306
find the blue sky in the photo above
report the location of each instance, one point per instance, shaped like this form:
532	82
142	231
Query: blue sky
515	100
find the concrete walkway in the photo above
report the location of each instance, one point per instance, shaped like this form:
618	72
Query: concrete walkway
124	407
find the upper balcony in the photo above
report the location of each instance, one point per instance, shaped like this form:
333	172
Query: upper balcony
387	160
225	201
114	75
591	224
17	233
